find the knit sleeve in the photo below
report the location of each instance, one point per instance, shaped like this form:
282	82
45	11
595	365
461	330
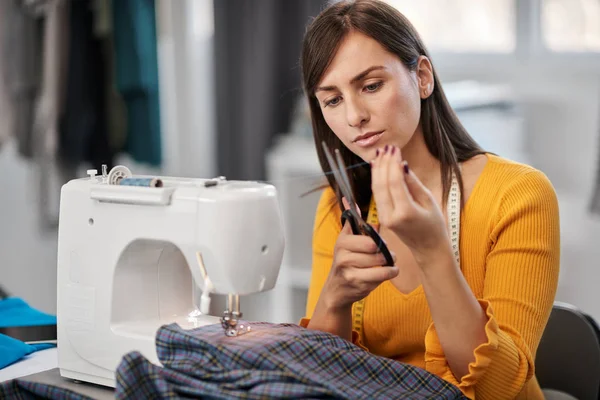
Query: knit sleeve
327	227
521	277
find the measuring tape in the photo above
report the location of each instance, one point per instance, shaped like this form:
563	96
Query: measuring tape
453	211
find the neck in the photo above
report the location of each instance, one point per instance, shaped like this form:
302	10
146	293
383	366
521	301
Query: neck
425	166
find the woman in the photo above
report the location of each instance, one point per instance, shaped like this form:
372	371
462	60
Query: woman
472	313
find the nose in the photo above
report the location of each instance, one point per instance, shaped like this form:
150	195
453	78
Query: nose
356	113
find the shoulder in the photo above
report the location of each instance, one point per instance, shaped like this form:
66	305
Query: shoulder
515	187
510	176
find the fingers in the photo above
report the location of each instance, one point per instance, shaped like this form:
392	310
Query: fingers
402	186
347	206
345	203
356	283
417	190
356	243
346	229
379	185
373	275
400	194
359	260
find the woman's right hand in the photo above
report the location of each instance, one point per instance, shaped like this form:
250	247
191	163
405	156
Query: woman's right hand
356	270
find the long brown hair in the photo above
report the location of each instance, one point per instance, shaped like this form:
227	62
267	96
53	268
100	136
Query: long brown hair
445	137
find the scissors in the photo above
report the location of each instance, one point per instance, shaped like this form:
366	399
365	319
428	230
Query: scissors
359	226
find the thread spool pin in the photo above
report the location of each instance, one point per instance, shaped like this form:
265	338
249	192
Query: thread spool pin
104	173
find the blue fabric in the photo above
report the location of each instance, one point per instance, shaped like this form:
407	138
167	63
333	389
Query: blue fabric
14	312
12	350
136	56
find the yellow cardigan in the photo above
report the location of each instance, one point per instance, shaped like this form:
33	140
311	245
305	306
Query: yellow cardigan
510	251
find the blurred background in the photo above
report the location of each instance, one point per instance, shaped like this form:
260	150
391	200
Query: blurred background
204	88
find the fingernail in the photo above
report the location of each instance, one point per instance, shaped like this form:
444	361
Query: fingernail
393	150
376	152
405	167
385	149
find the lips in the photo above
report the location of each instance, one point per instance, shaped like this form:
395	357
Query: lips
368	139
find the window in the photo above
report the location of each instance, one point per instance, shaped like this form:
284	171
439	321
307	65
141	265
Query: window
571	25
463	26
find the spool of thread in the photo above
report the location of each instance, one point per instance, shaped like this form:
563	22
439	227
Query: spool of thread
117	173
145	182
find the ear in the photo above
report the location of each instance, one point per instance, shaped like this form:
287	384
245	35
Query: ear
425	77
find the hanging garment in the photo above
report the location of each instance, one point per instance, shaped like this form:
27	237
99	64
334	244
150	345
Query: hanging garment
116	108
22	59
83	130
51	93
6	107
50	106
134	26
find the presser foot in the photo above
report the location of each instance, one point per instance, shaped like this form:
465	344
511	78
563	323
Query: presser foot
230	323
232	316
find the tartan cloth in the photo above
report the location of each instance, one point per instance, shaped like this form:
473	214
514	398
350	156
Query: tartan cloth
281	361
17	389
275	361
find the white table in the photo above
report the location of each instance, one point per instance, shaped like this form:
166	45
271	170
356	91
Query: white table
42	367
38	361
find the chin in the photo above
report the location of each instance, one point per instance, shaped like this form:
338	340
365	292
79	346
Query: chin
370	154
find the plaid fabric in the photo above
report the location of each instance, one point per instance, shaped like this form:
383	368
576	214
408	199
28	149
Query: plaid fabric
22	390
280	361
273	361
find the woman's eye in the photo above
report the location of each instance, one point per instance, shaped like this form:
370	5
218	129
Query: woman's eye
373	87
332	102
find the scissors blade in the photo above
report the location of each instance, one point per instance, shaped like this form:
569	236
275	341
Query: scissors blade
346	188
332	164
337	174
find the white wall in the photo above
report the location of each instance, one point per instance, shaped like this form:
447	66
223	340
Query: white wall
28	254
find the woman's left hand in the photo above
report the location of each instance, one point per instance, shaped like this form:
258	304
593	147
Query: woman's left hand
406	206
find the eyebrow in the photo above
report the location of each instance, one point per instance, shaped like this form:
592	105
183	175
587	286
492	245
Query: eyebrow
353	80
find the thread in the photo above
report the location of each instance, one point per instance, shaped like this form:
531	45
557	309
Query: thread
313	176
144	182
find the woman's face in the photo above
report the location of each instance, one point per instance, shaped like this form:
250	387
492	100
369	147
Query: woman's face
369	98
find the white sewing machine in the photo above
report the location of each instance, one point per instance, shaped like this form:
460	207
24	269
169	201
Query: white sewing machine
134	252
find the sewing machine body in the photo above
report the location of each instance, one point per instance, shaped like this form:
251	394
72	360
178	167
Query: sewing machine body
131	258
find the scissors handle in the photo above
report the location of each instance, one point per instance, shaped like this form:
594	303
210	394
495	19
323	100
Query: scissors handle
381	246
347	216
372	233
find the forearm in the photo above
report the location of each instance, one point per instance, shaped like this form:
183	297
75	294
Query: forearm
458	317
335	320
